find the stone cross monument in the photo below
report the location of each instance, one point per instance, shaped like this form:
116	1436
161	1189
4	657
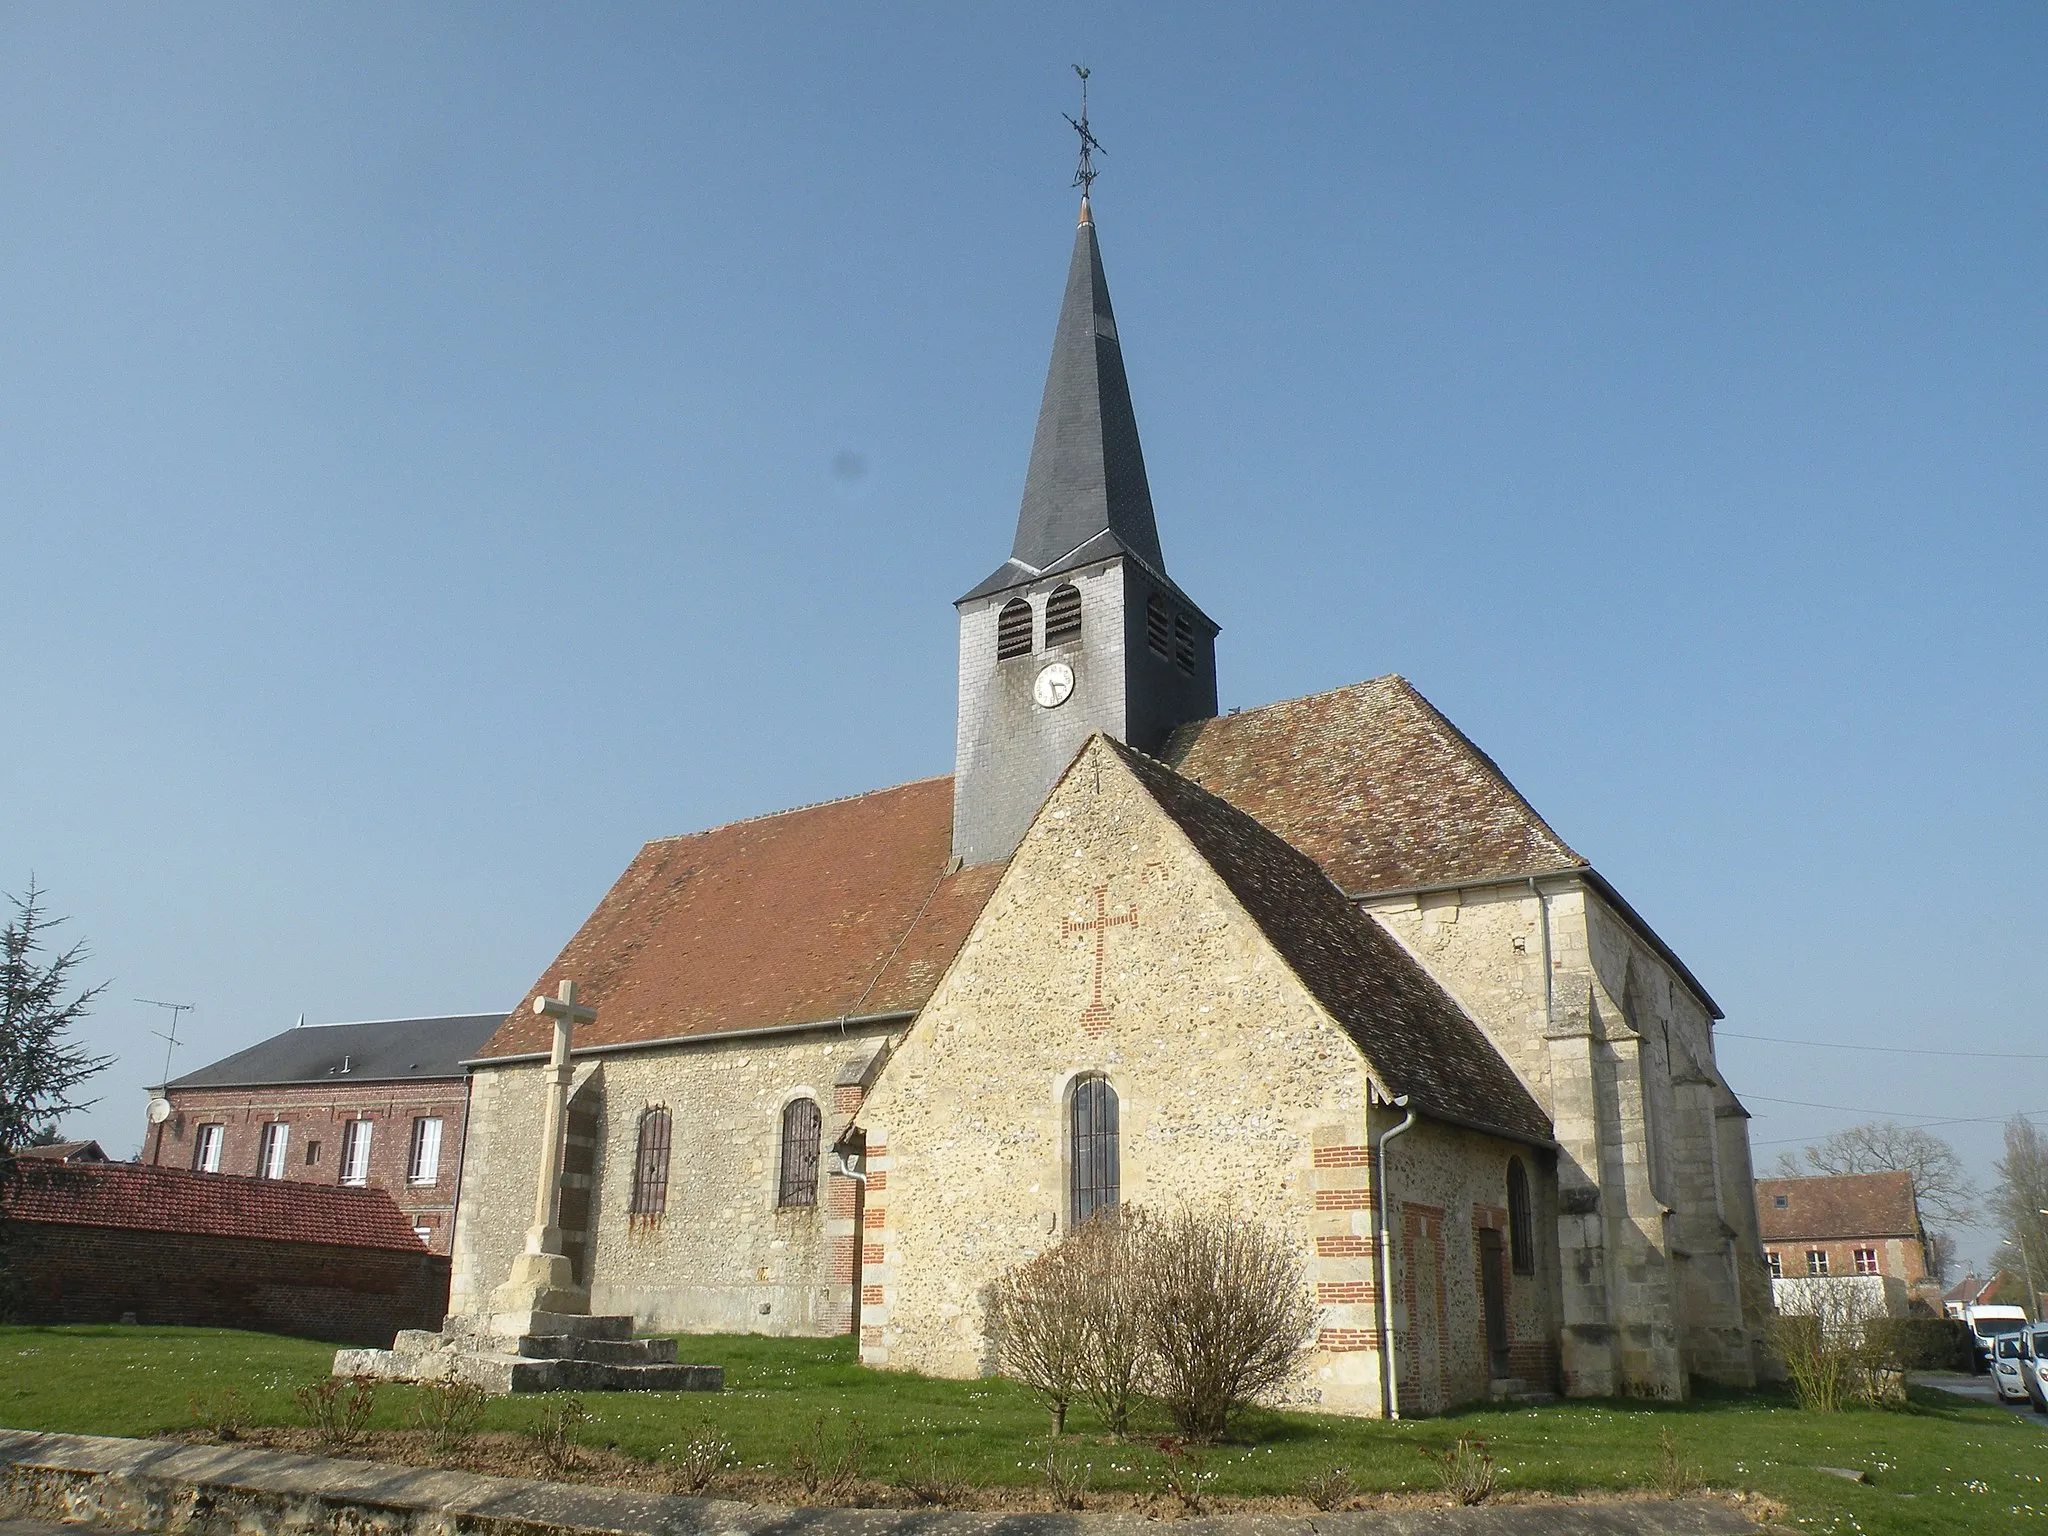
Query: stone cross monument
542	1278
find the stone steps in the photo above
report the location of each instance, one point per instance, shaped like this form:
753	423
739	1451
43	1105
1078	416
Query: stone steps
561	1353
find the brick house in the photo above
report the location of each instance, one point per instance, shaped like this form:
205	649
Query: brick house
99	1242
379	1105
1852	1224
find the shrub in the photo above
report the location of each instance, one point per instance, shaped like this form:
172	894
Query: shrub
1225	1314
1107	1254
825	1466
1185	1475
337	1409
697	1464
1331	1488
449	1412
1066	1478
1676	1477
1465	1468
1037	1317
225	1417
928	1477
561	1415
1841	1348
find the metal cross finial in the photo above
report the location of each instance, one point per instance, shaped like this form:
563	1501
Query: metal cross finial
1084	176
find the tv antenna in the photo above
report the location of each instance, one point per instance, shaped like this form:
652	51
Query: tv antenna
171	1040
1084	176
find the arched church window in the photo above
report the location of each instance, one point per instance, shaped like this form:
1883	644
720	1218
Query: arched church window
1521	1221
1159	625
1013	630
1093	1150
650	1165
1063	614
800	1135
1184	641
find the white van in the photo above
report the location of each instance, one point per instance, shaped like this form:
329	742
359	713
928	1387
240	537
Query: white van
1989	1324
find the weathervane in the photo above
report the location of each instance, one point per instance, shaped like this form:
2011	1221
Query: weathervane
1084	176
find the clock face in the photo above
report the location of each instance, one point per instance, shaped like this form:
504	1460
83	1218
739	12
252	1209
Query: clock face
1053	684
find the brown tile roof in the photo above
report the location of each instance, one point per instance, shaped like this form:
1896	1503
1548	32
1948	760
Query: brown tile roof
828	911
1375	785
142	1198
1418	1040
1837	1205
65	1152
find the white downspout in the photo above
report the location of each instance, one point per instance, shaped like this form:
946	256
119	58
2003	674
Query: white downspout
1390	1391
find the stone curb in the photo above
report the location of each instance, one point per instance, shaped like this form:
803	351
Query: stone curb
167	1489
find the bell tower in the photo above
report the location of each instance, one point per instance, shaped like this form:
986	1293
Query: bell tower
1081	629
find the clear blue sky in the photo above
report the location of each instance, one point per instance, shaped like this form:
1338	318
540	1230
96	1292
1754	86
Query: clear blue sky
442	447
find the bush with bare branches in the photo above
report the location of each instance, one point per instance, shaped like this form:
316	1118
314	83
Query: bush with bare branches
1116	1349
1039	1321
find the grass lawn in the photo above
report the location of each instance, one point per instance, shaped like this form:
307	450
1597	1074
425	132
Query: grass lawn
1942	1464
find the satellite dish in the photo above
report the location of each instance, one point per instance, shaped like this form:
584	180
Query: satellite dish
159	1111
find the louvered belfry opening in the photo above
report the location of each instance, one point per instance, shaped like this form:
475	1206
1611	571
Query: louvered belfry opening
1093	1153
1159	625
1063	614
650	1165
1184	642
800	1136
1013	630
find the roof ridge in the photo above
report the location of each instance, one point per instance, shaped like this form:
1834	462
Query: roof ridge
413	1018
791	810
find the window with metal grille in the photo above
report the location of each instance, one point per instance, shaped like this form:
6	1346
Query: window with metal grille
1063	615
1776	1263
1816	1261
355	1152
206	1149
1866	1261
650	1165
1159	625
1184	642
423	1161
800	1128
1013	630
1093	1149
270	1156
1521	1220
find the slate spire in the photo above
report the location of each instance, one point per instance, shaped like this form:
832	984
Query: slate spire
1086	484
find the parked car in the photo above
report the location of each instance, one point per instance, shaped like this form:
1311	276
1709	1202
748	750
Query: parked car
2006	1375
1987	1324
2034	1367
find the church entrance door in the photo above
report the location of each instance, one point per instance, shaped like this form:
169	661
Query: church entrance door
1493	1296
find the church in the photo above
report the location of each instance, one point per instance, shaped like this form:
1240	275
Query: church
1316	961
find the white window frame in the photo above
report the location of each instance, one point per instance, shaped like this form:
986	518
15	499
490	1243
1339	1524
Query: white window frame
1776	1262
423	1162
207	1152
355	1152
271	1159
1816	1262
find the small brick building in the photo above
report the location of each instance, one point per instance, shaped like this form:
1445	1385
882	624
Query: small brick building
97	1242
1845	1224
379	1105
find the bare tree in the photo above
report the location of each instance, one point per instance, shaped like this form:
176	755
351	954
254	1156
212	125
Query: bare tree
1227	1313
1108	1251
1946	1193
1039	1319
39	1068
2017	1200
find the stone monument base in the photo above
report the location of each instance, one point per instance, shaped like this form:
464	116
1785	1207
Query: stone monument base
549	1352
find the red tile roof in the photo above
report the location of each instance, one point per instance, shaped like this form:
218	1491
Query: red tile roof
1375	785
142	1198
1837	1205
834	910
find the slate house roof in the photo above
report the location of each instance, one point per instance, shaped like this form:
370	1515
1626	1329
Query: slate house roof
1837	1206
1419	1041
384	1050
142	1198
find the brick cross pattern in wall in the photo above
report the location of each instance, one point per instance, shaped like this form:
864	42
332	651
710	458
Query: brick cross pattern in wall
1095	1017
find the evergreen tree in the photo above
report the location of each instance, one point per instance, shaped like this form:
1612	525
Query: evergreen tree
39	1066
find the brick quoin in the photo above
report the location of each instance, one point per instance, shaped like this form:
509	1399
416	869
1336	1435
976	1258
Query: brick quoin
879	1181
1346	1341
846	1098
1344	1248
842	1197
871	1295
871	1338
1343	1199
871	1253
878	1150
1337	1292
876	1218
1343	1157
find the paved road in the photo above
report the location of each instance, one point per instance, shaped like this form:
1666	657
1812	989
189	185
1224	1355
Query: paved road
45	1528
1976	1387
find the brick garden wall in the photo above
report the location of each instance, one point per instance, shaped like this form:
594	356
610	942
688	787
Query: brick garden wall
79	1274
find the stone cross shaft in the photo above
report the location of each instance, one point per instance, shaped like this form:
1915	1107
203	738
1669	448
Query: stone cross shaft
1095	1017
545	1235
